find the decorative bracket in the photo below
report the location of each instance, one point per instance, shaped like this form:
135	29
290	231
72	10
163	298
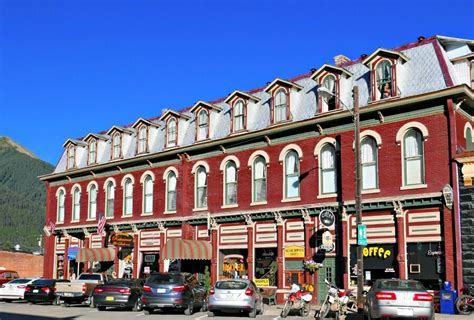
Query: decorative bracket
278	218
86	232
399	212
248	220
222	149
116	228
319	129
213	223
381	117
344	215
134	228
268	141
306	217
161	226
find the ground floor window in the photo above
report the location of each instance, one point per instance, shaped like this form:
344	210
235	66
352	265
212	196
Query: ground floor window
426	263
379	263
125	262
60	266
150	263
233	263
266	273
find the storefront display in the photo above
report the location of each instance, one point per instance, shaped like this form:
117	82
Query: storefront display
425	263
266	266
234	264
379	263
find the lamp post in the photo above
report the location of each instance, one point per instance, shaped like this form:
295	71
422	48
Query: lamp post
325	93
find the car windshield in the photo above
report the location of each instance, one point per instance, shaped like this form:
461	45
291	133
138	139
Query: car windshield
90	277
232	285
121	282
165	279
44	282
20	281
401	285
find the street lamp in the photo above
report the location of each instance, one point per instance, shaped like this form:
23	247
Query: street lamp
361	238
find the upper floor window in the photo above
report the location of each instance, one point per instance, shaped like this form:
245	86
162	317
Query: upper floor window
369	163
76	204
142	139
329	83
60	213
280	106
92	151
328	173
383	74
148	194
128	197
92	201
230	176
413	156
109	199
239	116
203	125
292	175
71	157
171	192
171	133
468	139
259	180
201	187
116	145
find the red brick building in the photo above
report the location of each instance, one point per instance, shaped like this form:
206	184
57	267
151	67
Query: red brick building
259	182
25	263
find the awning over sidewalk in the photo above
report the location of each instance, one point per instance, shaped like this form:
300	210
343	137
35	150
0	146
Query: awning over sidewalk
187	250
96	254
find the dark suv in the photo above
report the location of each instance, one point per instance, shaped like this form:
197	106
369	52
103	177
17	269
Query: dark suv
172	290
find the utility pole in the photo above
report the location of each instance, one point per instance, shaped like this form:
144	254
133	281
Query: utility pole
358	200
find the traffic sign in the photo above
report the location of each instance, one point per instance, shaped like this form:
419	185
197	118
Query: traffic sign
362	235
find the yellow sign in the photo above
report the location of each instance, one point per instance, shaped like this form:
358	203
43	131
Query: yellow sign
294	252
228	267
376	252
262	282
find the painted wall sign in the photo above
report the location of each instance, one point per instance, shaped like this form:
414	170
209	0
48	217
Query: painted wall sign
262	282
448	196
294	252
376	252
327	218
121	240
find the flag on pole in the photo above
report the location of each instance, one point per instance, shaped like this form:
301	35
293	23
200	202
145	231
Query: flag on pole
52	226
101	223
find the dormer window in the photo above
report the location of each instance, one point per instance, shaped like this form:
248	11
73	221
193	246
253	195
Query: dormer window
92	151
239	103
239	116
71	157
171	133
142	139
145	131
172	118
329	83
383	74
280	108
116	145
281	112
329	78
203	125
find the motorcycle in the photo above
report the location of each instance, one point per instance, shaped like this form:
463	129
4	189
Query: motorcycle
298	299
339	301
465	302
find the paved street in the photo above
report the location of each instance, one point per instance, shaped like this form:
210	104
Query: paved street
23	311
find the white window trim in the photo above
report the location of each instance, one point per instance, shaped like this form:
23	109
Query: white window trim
112	180
224	184
369	134
414	124
467	125
57	205
122	183
89	186
165	180
168	144
72	202
142	182
282	161
194	171
254	157
402	132
317	154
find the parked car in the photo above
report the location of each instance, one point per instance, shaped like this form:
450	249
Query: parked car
80	290
235	295
122	293
42	290
15	289
7	276
172	290
398	298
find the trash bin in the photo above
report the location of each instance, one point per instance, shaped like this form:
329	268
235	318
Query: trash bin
447	298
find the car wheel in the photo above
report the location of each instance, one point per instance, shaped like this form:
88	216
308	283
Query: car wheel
148	311
101	308
253	313
138	305
210	314
190	309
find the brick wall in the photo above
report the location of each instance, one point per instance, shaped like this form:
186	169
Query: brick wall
26	264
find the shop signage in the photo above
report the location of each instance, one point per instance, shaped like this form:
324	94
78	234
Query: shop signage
294	252
327	218
328	244
377	252
262	282
434	253
234	267
121	240
448	196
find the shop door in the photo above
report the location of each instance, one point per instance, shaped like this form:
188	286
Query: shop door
327	271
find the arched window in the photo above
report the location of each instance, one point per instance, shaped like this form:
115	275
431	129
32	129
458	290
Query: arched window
171	192
71	157
384	78
259	180
329	83
413	155
128	197
76	204
92	202
239	116
328	169
117	145
148	194
60	214
201	187
468	139
369	163
230	193
171	133
142	139
203	125
281	105
109	199
92	151
292	175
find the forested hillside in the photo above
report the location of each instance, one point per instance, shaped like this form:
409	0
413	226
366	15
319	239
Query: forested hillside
22	196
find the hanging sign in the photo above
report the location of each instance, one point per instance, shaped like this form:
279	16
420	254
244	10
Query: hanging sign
327	218
448	196
121	240
327	242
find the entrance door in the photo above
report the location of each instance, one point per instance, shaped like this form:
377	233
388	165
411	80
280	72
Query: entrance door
327	271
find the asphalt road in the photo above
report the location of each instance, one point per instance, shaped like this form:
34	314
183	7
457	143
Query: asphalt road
24	311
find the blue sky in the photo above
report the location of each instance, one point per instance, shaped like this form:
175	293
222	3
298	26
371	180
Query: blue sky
68	68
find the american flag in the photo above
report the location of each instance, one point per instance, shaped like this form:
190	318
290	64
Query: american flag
52	226
101	223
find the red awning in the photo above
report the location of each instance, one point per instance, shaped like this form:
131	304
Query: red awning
96	254
187	250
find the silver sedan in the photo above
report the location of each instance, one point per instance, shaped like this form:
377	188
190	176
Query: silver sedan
396	298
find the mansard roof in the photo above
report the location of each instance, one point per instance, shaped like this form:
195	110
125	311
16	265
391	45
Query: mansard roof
146	122
385	53
239	94
171	113
281	83
205	105
332	69
74	142
119	129
95	136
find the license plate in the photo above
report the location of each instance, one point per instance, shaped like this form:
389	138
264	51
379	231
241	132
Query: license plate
109	298
68	294
35	291
405	312
160	290
160	305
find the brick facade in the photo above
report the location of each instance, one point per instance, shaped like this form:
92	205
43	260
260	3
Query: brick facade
26	264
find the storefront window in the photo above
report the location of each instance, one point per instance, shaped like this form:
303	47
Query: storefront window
426	263
266	266
379	263
233	264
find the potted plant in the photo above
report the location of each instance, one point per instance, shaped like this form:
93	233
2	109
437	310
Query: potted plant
311	266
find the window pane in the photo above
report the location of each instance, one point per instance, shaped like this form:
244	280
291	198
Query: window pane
328	169
231	172
76	201
280	106
171	195
128	197
171	201
109	211
231	193
413	148
414	171
92	202
148	199
172	132
201	201
260	190
292	187
61	206
239	116
369	163
369	177
329	181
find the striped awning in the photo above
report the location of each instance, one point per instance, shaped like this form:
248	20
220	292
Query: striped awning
187	250
96	254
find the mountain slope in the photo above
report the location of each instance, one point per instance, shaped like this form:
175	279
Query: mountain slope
22	196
